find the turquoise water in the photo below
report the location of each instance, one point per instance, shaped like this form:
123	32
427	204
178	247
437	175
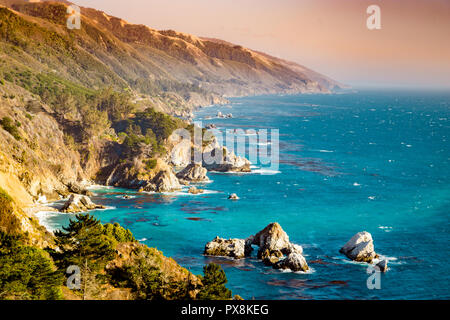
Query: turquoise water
372	160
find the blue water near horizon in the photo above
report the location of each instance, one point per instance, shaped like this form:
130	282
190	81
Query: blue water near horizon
377	161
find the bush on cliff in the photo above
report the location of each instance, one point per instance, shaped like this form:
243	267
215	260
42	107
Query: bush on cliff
8	125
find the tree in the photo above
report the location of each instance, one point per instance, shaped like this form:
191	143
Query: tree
214	281
26	273
85	244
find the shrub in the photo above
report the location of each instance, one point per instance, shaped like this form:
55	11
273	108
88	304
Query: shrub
8	125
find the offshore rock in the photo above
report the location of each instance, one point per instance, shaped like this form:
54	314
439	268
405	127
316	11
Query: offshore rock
382	265
194	190
233	248
79	203
218	158
294	261
193	173
233	196
360	248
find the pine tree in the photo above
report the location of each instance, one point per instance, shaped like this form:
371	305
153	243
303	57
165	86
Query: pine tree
214	281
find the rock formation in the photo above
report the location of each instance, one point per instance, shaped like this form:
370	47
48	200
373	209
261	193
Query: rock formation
194	190
79	203
275	249
294	261
218	158
233	248
193	173
382	265
164	181
360	248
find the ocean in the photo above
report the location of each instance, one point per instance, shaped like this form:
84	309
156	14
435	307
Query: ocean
375	161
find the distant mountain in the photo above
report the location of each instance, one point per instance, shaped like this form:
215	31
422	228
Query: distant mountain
173	68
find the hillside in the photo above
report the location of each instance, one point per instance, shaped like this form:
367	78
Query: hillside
174	69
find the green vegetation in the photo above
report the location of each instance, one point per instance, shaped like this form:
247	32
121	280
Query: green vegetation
143	275
8	124
150	164
118	233
214	281
90	245
26	273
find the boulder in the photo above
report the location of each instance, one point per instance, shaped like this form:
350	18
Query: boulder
79	203
164	181
233	196
294	261
233	248
194	190
79	188
382	265
360	248
193	173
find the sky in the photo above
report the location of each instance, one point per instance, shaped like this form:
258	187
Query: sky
412	48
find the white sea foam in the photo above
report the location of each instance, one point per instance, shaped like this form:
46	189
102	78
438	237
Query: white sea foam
326	151
263	171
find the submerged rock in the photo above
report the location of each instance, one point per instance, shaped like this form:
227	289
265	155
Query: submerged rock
193	173
360	248
79	203
233	248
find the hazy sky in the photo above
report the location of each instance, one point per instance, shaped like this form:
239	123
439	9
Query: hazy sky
329	36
